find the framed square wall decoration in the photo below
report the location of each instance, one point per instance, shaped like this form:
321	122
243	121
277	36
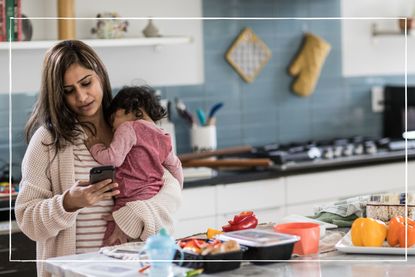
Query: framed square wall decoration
248	54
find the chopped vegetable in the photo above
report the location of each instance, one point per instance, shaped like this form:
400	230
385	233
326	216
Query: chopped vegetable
212	246
241	221
194	272
368	232
396	233
144	268
211	233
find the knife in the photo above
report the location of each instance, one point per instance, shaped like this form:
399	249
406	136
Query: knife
225	151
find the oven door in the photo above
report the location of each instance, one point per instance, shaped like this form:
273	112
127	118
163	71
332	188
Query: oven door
394	114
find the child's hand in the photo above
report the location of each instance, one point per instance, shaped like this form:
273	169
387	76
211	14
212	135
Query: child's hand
91	141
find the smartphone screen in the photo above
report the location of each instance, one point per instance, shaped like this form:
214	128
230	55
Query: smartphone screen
100	173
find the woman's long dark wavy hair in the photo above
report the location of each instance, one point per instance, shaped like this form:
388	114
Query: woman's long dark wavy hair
51	110
131	99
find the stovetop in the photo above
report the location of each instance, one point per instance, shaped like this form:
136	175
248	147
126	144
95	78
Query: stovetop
332	151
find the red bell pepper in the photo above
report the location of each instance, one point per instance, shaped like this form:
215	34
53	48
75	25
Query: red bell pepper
241	221
242	215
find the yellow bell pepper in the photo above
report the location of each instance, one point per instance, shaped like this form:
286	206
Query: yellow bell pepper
211	233
368	232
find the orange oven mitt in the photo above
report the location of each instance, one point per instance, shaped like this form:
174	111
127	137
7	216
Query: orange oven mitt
308	63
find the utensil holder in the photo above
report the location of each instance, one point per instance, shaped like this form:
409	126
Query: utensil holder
203	138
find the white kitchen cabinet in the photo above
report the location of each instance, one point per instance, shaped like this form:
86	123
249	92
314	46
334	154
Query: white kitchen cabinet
197	212
306	209
198	202
266	198
188	227
258	195
306	191
345	183
272	199
213	206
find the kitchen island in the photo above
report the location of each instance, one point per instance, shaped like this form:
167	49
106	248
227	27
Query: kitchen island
329	264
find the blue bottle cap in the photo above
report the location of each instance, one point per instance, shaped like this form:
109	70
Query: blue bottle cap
161	241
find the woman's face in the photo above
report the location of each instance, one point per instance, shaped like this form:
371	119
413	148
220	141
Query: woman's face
83	92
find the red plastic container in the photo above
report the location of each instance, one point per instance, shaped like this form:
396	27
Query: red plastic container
307	231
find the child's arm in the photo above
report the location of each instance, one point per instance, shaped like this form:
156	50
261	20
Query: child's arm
174	166
124	139
91	141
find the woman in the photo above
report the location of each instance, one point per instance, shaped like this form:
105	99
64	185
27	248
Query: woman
55	205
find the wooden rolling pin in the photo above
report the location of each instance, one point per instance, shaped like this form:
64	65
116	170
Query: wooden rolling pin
225	151
228	163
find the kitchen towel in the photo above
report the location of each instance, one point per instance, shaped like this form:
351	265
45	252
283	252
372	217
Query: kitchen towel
340	221
308	63
344	208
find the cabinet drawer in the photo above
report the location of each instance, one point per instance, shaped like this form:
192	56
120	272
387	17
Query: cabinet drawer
197	202
345	183
184	228
250	196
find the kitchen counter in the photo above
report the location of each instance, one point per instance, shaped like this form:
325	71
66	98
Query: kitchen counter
330	264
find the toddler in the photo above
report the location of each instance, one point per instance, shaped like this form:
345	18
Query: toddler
139	149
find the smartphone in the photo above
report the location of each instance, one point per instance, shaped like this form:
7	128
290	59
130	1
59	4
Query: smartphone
101	173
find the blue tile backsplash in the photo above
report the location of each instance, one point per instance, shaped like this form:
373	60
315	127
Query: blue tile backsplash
265	111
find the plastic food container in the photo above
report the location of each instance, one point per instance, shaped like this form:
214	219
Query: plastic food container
307	231
199	261
263	246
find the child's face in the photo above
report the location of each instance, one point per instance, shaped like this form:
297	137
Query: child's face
120	117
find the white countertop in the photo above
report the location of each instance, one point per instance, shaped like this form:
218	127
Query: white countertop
330	264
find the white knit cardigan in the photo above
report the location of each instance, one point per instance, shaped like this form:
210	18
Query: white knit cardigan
39	208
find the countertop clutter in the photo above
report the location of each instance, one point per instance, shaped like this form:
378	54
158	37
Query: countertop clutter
331	264
268	249
323	264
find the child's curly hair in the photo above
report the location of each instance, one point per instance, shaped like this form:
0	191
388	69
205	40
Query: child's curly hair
131	99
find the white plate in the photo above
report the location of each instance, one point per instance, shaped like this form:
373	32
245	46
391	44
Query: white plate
345	245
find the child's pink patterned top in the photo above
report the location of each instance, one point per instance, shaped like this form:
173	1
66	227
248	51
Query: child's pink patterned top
140	151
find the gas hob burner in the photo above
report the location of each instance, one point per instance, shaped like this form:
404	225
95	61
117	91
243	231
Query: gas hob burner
320	150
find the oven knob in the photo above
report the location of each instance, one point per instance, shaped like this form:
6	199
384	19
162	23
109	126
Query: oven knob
358	149
338	150
348	150
327	153
370	147
314	153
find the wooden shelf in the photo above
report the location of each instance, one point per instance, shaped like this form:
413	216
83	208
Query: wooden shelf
376	32
100	43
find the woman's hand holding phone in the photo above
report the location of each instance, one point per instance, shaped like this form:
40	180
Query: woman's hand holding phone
83	194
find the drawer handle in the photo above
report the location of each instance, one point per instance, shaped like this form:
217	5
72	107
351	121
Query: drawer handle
8	271
6	250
